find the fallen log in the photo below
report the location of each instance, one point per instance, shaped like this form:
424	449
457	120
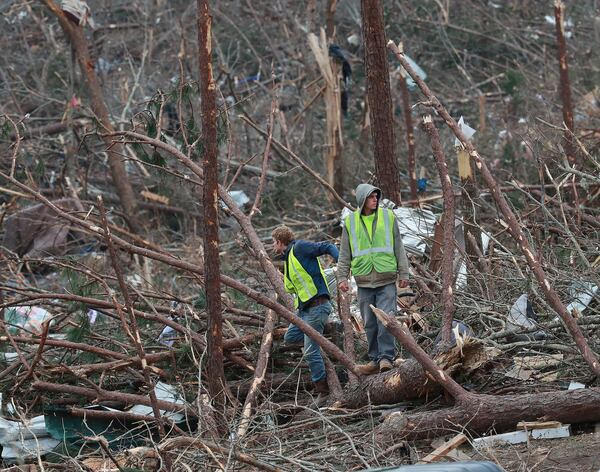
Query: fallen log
406	382
409	380
479	414
99	394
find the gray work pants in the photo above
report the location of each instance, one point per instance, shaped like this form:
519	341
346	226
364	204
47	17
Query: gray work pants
381	342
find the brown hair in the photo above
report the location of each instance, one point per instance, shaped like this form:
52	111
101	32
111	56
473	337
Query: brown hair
283	234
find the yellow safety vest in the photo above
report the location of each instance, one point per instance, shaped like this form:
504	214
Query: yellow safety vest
376	252
297	280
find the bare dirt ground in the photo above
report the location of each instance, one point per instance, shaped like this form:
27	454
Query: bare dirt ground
579	453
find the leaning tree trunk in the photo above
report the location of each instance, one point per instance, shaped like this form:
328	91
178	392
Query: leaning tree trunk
410	140
515	229
77	39
565	84
565	96
215	375
380	100
449	243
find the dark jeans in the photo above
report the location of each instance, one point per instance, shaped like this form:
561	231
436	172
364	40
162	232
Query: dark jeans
381	342
316	317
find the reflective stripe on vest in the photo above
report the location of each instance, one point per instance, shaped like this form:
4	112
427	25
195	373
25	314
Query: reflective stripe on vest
298	280
375	253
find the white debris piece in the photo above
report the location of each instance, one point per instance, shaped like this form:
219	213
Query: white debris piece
462	272
517	318
134	280
416	227
581	296
517	437
27	318
164	392
27	440
79	10
466	129
92	316
354	40
167	336
239	197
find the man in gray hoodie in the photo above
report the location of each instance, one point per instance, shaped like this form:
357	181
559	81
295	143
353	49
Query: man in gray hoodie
372	249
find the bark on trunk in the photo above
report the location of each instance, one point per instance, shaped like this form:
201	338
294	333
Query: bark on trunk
449	243
345	315
565	84
114	150
481	413
215	375
380	100
409	380
434	370
406	382
410	140
470	194
330	23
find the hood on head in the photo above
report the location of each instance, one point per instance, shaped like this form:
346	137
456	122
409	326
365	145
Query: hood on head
363	191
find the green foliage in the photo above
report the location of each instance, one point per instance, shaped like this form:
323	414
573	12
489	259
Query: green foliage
157	159
81	330
40	169
140	152
151	123
5	130
200	301
86	357
79	285
193	135
508	153
184	355
181	98
513	83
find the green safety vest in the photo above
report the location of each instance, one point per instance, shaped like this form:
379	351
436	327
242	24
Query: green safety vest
297	280
376	253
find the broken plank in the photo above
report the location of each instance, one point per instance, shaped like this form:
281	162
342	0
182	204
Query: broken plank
529	425
444	449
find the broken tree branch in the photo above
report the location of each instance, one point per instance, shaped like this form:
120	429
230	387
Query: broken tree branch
532	261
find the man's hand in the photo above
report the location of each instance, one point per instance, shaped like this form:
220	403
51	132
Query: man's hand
403	283
343	286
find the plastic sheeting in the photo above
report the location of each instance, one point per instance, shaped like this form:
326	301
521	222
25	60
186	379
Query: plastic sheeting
25	440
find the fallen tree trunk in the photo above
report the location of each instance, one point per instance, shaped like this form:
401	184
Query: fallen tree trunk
409	380
479	414
406	382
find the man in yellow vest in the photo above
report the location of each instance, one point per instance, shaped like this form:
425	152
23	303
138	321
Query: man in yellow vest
304	278
372	249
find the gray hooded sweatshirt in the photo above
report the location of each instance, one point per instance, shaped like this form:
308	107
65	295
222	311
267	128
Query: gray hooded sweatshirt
374	279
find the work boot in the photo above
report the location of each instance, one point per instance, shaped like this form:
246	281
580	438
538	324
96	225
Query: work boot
385	365
368	369
321	387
